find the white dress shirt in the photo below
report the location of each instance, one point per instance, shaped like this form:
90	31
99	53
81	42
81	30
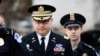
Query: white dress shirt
46	40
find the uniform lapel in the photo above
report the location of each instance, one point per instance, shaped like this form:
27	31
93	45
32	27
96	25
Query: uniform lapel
51	43
35	42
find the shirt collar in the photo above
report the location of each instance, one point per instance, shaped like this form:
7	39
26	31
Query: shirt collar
46	36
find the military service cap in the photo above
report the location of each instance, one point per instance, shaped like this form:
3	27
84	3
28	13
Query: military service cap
72	20
42	12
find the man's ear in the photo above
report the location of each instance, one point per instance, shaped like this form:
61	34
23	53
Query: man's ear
51	19
82	28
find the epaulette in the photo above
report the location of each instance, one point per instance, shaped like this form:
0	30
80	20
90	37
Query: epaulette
89	46
65	37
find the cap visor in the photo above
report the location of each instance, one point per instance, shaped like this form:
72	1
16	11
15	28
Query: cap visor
73	25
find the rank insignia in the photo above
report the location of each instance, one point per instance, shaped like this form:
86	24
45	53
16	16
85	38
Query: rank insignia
1	41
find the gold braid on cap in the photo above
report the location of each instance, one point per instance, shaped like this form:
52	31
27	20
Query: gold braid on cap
72	16
40	9
42	18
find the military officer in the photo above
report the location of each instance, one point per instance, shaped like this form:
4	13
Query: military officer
73	26
44	42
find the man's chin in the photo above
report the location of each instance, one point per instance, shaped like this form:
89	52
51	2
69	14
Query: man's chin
42	33
73	39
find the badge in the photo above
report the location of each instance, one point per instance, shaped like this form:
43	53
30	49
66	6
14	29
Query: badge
28	47
85	54
17	38
1	42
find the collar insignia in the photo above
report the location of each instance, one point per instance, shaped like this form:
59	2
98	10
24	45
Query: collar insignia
33	40
65	37
54	39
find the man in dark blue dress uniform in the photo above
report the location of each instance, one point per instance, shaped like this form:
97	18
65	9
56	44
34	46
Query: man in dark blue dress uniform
73	24
10	43
44	42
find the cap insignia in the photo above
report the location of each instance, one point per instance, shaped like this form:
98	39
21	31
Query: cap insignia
41	9
72	16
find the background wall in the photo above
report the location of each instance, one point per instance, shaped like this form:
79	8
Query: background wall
84	7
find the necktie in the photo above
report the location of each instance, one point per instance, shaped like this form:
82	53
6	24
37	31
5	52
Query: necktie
43	44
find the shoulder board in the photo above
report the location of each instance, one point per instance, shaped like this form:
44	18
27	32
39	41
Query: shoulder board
89	46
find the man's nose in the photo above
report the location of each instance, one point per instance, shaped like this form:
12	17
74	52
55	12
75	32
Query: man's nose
73	30
41	24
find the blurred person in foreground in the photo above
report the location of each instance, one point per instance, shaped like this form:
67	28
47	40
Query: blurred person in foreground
73	26
10	42
43	41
